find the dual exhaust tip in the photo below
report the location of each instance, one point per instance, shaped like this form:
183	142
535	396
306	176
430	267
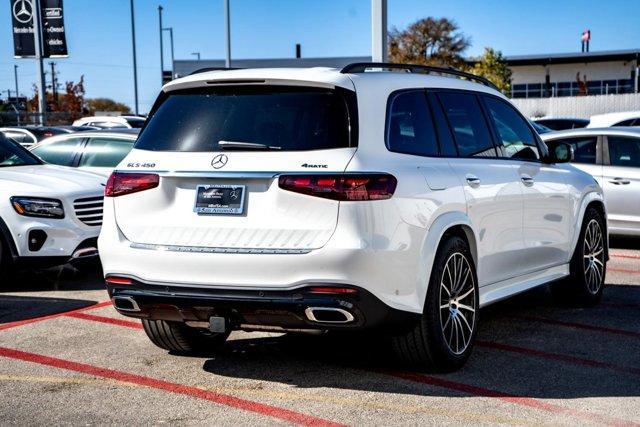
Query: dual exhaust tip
314	314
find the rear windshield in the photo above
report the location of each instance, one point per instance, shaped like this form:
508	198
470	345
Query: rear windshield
249	118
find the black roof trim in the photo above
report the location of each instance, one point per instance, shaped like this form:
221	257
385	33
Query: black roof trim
207	69
361	67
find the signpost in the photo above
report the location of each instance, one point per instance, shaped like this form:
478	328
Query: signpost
38	32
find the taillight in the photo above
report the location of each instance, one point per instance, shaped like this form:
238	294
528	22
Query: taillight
116	280
346	187
120	183
331	290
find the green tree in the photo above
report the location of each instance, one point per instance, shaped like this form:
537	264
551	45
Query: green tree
429	41
106	104
492	66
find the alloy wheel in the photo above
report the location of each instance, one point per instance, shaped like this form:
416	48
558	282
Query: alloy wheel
457	303
593	256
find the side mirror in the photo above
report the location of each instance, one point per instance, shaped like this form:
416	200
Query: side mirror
560	152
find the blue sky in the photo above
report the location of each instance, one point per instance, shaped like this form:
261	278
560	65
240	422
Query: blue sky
99	37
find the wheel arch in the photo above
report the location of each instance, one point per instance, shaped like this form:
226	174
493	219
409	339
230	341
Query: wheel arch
7	239
591	199
448	224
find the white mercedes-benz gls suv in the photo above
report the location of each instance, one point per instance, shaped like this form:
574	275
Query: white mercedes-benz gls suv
49	215
377	196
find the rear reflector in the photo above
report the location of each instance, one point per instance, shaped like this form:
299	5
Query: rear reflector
346	187
120	183
331	290
114	280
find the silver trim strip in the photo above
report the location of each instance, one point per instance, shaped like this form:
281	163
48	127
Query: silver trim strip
309	312
85	253
224	250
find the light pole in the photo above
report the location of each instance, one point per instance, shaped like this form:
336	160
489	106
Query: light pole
15	76
227	34
135	62
37	33
197	54
379	30
161	46
170	29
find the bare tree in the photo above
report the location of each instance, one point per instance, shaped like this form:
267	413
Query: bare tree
429	41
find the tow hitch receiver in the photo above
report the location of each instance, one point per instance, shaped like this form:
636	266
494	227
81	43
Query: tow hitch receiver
217	324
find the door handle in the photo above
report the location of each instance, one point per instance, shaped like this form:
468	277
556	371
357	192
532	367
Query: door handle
473	180
526	180
618	181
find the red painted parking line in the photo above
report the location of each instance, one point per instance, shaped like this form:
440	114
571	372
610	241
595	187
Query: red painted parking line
199	393
104	319
52	316
559	357
623	270
615	255
505	397
576	325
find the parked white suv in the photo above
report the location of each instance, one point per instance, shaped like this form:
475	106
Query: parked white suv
376	196
49	215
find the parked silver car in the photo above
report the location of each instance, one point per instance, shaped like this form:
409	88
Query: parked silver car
612	156
96	151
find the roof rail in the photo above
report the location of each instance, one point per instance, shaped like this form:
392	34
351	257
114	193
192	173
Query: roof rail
361	67
206	69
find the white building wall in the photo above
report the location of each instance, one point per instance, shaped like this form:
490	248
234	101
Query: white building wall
567	72
578	106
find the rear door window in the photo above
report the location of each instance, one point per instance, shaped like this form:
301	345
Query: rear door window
624	151
277	118
467	124
410	127
104	152
514	134
59	152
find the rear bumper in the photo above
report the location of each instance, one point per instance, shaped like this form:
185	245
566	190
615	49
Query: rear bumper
257	309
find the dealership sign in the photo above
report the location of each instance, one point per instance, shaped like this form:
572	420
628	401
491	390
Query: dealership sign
54	42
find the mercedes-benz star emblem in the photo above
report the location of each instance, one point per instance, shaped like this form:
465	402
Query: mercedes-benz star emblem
23	11
219	161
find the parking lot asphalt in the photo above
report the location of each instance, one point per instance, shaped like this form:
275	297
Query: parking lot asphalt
67	357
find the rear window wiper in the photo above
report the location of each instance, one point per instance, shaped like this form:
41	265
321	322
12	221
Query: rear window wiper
238	145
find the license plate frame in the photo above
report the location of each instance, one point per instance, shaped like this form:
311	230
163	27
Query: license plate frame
201	207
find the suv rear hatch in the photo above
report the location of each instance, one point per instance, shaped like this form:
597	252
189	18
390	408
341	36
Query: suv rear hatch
219	152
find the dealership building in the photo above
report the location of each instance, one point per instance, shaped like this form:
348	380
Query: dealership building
574	74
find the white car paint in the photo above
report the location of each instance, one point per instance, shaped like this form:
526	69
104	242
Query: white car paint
108	121
520	236
613	119
620	184
53	182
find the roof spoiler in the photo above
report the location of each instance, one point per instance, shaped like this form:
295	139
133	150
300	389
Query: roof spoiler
361	67
207	69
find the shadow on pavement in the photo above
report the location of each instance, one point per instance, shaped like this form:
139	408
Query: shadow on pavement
347	362
64	278
14	308
624	242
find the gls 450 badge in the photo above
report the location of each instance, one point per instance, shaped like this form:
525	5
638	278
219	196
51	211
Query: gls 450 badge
316	166
141	165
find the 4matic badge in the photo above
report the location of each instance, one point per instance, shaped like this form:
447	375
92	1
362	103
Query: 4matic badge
316	166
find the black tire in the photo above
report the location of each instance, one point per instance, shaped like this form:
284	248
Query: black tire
585	283
428	345
181	339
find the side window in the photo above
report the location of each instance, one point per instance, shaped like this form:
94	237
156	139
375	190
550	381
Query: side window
630	122
468	125
410	128
105	152
624	151
585	148
516	138
59	152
